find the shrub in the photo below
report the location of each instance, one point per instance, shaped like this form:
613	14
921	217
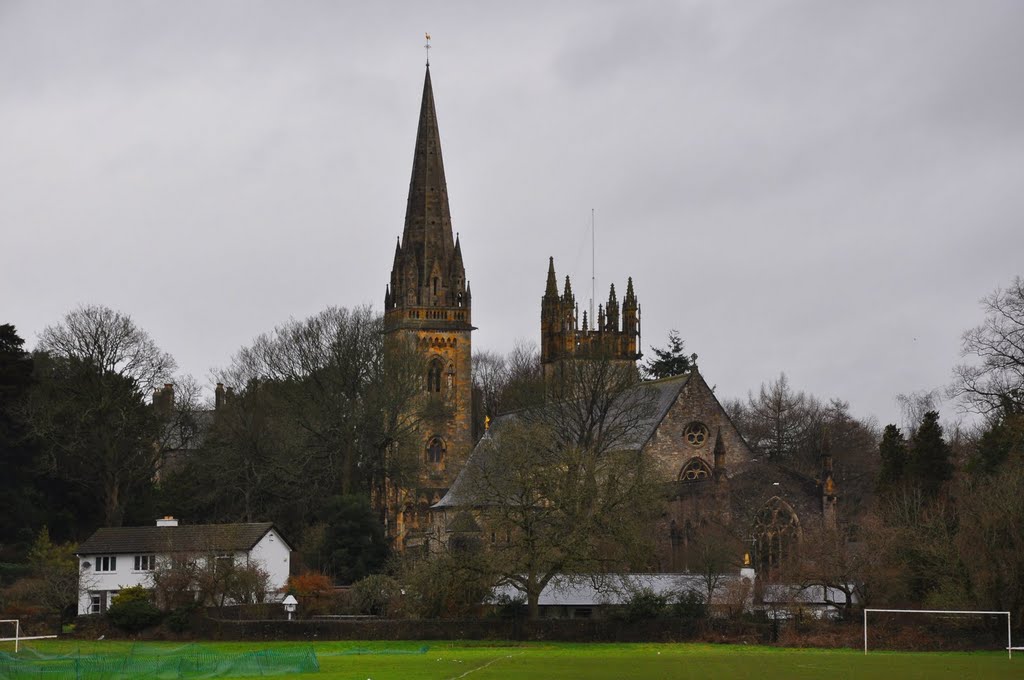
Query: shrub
689	605
645	604
180	620
314	592
131	610
375	594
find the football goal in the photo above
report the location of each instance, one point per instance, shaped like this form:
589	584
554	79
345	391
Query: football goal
942	612
6	627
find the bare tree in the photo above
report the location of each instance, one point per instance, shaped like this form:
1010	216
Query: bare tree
778	420
997	381
350	395
565	489
990	540
716	559
914	405
112	342
97	432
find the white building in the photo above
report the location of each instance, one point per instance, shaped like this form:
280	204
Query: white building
119	557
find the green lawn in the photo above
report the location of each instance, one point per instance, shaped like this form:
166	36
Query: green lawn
491	661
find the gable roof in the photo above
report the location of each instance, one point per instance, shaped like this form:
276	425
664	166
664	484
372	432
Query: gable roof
662	393
195	538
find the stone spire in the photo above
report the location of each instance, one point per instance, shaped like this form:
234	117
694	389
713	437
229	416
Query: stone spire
428	269
551	291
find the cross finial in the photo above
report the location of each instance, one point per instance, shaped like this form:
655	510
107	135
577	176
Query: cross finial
427	48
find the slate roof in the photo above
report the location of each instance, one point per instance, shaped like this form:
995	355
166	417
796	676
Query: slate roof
663	393
180	539
614	589
617	589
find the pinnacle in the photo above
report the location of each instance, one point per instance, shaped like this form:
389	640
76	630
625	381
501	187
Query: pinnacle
552	285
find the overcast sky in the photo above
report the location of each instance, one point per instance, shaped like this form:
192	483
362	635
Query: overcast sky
821	188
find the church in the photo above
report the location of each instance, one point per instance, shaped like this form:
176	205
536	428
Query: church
709	473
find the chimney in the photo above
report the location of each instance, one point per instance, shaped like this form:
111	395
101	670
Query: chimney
163	399
218	396
167	521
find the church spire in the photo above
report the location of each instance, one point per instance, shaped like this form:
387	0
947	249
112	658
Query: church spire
428	269
428	222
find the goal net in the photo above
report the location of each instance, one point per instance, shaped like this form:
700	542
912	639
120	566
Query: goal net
10	633
937	629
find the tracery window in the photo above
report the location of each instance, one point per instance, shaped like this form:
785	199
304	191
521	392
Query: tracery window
694	471
434	375
696	434
435	450
776	534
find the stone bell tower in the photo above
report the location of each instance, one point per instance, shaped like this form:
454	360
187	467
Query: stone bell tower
614	335
427	302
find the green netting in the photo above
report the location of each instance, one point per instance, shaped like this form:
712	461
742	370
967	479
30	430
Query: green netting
359	651
148	662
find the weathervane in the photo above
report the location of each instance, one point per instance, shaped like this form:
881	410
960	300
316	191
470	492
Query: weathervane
427	48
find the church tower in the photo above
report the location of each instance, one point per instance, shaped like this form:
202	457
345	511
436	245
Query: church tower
613	335
427	302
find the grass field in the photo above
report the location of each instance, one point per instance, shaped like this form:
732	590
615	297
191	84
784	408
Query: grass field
492	661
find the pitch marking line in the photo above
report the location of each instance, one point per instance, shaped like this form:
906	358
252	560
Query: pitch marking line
482	666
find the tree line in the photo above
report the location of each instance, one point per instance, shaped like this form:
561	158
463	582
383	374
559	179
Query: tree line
316	414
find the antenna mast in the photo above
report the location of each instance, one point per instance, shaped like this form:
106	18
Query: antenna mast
593	277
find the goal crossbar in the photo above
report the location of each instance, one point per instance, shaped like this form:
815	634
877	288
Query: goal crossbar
1009	631
18	637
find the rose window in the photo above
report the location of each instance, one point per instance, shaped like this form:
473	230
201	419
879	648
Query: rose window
696	434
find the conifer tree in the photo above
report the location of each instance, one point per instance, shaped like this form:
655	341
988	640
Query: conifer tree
930	457
893	452
670	361
1004	439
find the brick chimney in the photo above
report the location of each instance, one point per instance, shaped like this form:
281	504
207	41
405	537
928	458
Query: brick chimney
163	399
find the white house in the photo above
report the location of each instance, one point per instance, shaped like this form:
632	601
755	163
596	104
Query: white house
119	557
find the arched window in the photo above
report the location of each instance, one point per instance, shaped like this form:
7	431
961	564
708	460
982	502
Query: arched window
434	375
776	534
435	450
694	471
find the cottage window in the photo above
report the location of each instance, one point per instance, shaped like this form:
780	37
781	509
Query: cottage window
95	603
145	562
106	563
223	563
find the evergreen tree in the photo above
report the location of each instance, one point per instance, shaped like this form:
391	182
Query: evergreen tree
672	360
18	489
893	452
354	539
1002	440
930	456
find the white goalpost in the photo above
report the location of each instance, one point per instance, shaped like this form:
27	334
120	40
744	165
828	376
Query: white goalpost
18	637
1009	632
